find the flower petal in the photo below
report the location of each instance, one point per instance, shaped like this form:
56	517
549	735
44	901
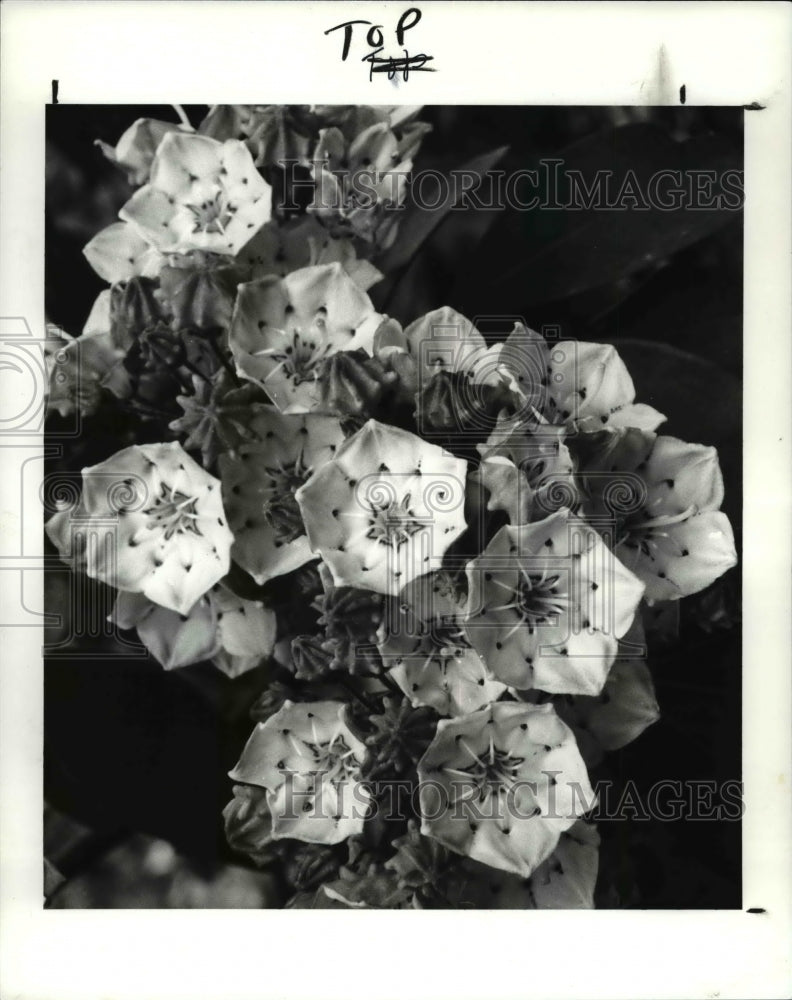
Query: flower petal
135	150
120	252
444	340
173	640
626	707
246	630
564	881
684	558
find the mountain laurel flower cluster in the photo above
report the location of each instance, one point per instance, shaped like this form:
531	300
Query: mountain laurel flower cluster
428	550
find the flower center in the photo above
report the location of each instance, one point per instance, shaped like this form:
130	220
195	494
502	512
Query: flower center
332	760
211	215
301	359
448	638
539	597
494	772
642	531
393	524
279	507
173	513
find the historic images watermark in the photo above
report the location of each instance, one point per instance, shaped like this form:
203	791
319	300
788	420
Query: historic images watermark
667	800
550	186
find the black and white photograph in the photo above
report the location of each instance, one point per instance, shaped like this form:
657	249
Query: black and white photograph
409	453
386	479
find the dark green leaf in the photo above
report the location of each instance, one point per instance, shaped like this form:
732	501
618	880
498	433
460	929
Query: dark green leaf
419	223
545	254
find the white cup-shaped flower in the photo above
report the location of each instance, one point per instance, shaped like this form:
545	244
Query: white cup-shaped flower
527	469
424	644
385	509
577	384
202	195
361	179
309	761
547	604
150	520
78	369
234	633
280	248
284	328
670	531
502	784
443	341
564	881
260	480
626	706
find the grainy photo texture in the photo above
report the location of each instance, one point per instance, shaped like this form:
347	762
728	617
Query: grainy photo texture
392	507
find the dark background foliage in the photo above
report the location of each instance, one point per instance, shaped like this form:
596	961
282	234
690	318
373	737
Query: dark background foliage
130	749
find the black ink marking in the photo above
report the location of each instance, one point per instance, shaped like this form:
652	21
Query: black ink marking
754	106
682	94
54	91
392	66
375	40
756	909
